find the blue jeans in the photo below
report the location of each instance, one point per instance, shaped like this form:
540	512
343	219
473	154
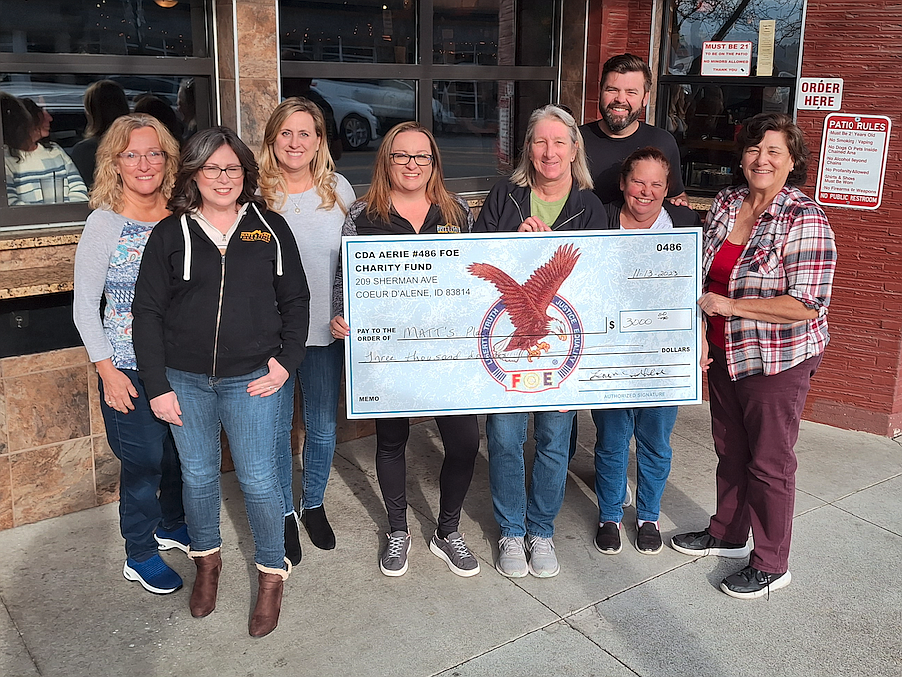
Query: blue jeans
517	512
209	404
615	427
144	447
320	379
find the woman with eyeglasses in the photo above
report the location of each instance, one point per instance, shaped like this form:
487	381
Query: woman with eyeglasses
136	165
298	179
221	310
407	196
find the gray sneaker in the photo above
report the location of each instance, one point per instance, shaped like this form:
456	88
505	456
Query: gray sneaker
628	499
394	558
542	560
511	557
455	553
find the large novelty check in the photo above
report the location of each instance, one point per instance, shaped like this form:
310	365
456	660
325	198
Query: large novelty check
521	322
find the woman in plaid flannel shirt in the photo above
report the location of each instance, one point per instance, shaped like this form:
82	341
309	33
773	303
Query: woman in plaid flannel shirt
769	257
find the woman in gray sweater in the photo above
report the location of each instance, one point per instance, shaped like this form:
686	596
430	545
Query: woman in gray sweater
136	165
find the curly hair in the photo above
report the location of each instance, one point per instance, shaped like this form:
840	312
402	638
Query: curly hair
378	197
196	152
753	131
273	186
107	190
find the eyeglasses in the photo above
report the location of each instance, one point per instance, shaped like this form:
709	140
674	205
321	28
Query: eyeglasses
154	157
404	158
212	172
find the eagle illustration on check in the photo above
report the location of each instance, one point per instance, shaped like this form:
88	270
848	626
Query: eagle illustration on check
527	304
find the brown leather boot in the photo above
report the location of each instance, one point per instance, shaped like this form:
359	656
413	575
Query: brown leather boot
206	584
269	603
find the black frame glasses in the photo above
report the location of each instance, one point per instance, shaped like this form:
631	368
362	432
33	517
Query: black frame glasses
404	158
212	172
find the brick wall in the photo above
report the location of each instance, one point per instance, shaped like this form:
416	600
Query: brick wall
858	385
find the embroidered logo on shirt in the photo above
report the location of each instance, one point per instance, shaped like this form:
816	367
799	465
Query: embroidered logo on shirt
448	228
256	236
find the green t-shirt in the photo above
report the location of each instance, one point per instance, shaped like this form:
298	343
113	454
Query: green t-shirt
547	211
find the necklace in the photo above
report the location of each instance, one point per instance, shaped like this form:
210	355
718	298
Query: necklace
297	207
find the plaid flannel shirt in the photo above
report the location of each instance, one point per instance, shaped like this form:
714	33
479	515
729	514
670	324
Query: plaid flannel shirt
791	251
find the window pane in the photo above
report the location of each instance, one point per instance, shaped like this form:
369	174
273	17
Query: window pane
692	23
482	32
367	31
51	163
480	125
705	119
103	27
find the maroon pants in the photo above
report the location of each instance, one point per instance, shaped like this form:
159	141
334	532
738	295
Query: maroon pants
755	423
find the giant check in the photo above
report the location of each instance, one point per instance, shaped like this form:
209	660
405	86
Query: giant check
521	321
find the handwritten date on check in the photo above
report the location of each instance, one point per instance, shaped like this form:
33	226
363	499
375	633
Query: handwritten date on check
521	322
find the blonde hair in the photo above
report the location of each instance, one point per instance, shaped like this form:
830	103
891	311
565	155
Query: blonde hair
378	197
525	174
107	190
273	186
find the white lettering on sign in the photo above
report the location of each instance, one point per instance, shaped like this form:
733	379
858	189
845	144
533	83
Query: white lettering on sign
853	160
819	94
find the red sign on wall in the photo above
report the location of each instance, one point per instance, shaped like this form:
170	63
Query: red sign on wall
853	160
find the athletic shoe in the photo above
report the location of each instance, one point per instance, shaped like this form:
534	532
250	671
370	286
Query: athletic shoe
511	557
542	560
628	499
455	553
607	538
701	543
394	558
750	583
648	540
177	539
292	539
154	575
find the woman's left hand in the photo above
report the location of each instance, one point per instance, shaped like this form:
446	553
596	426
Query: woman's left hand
715	304
533	224
268	384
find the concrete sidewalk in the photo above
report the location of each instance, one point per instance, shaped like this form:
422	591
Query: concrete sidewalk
67	611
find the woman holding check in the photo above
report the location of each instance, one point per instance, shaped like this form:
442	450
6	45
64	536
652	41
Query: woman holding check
408	196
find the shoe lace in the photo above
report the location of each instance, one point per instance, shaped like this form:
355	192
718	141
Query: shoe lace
460	548
541	546
511	546
396	545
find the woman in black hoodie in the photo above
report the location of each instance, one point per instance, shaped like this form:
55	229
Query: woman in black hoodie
221	312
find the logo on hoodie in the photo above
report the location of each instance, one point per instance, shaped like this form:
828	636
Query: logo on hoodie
256	236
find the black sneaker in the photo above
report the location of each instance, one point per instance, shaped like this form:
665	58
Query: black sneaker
750	583
292	539
648	540
701	543
607	539
455	553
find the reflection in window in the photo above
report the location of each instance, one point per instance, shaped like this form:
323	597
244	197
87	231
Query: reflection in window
705	120
366	31
106	27
692	23
483	33
52	125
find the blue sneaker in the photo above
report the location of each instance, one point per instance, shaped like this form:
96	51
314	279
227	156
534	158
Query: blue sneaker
169	540
154	575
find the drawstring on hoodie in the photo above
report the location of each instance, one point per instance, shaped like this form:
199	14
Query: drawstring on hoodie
186	265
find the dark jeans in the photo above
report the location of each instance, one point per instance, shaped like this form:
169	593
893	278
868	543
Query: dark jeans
145	449
460	437
755	424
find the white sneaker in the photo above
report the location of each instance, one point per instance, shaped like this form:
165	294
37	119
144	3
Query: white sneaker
542	559
511	557
628	501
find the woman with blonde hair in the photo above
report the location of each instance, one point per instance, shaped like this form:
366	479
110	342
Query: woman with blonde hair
408	197
136	166
298	179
